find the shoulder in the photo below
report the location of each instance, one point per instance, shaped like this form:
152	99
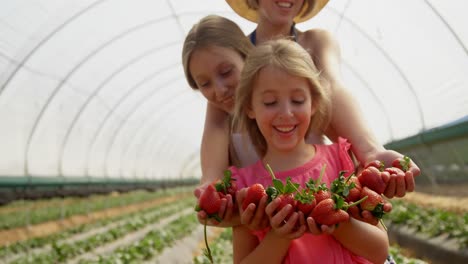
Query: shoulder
318	40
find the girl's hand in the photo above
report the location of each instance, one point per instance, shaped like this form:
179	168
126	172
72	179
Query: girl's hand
225	212
252	217
397	186
285	223
318	229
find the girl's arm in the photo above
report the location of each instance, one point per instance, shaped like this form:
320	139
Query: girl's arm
247	249
214	160
215	144
363	239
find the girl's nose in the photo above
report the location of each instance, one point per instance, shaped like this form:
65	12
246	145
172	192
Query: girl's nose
220	90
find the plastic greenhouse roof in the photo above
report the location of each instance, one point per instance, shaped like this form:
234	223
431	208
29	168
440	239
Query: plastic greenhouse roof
96	88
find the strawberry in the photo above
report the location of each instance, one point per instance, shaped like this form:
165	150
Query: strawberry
254	194
210	200
325	213
374	202
374	179
402	163
285	199
355	192
322	195
306	206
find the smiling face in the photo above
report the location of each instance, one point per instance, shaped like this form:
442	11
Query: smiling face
282	108
216	72
279	11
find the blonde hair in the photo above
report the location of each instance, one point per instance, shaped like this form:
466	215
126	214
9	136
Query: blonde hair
213	30
293	59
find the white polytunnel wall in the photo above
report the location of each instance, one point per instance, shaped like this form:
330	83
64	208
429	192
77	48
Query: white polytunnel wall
96	88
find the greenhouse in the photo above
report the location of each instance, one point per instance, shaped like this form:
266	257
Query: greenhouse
101	133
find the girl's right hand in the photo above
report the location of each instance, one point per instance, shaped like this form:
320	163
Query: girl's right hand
284	223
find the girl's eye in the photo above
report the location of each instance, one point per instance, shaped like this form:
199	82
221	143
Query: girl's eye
203	85
298	102
226	72
269	103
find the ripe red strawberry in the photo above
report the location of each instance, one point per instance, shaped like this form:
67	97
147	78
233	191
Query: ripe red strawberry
306	205
322	195
285	199
374	202
402	163
325	213
374	179
254	194
354	193
210	201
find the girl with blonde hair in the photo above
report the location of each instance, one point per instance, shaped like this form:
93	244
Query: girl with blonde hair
280	100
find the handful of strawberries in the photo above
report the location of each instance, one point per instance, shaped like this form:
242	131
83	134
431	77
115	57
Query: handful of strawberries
347	196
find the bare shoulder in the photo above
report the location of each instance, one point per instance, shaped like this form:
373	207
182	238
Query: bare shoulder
318	40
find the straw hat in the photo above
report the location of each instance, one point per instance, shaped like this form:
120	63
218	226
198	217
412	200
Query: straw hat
248	11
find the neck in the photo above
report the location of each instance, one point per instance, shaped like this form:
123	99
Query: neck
287	160
267	31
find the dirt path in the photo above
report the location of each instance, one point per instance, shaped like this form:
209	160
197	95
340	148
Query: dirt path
129	238
23	233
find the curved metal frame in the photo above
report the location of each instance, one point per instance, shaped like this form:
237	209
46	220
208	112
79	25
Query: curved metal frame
98	88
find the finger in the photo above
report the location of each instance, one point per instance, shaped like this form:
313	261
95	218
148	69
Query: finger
271	207
409	179
247	215
299	232
387	208
229	208
201	215
197	192
400	186
414	169
290	224
312	225
278	219
327	229
390	190
259	213
369	218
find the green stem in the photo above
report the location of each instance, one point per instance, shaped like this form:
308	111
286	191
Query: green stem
270	171
321	174
208	251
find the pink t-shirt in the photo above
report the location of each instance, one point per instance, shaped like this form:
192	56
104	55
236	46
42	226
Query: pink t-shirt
308	248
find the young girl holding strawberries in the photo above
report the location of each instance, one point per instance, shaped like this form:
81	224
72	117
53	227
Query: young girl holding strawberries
279	102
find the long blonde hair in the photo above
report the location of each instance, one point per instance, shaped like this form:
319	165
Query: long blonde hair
293	59
213	30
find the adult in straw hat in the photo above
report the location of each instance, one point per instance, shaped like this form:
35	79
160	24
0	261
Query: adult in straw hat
277	19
